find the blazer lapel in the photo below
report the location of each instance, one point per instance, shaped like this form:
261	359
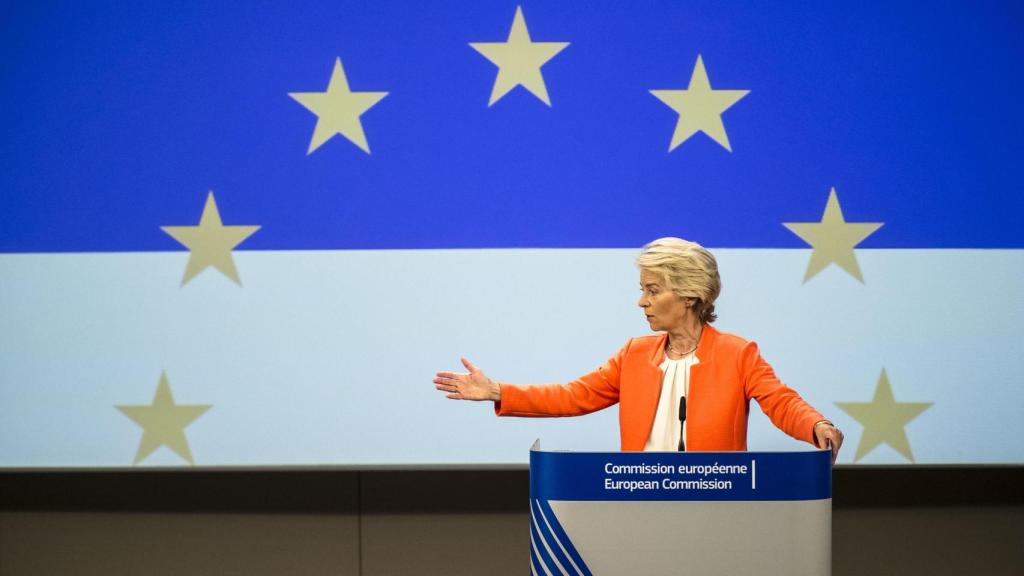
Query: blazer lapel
705	350
650	391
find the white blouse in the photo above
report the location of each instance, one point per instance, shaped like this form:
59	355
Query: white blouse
675	383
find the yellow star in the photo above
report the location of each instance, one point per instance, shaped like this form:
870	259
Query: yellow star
519	60
163	422
338	110
210	242
884	419
700	108
833	239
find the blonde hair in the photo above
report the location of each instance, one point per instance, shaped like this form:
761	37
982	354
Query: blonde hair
689	270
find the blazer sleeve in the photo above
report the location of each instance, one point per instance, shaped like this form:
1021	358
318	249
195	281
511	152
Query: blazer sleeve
586	394
783	406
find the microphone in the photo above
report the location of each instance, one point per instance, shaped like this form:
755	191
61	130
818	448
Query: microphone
682	422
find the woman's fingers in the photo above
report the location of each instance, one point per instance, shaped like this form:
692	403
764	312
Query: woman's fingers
449	382
830	437
837	443
469	366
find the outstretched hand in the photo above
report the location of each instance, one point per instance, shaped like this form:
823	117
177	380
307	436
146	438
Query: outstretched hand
474	385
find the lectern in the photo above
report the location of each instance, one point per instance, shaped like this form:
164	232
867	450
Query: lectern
691	513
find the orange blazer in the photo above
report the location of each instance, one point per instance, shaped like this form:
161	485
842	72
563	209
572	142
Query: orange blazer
729	373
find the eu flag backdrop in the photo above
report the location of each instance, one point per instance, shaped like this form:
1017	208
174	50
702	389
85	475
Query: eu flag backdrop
250	234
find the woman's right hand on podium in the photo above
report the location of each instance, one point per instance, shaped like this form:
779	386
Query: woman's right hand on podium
474	385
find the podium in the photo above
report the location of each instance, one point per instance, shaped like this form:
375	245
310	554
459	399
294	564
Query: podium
692	513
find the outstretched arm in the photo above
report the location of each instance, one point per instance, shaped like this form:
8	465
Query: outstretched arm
586	394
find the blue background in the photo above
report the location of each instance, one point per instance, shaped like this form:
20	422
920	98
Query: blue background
119	117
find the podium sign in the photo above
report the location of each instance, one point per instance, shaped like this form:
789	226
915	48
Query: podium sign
693	513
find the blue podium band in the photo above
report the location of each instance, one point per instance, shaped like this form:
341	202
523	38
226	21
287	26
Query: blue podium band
701	476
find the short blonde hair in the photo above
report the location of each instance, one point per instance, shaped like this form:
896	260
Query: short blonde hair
689	270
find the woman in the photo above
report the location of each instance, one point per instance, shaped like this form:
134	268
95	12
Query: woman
713	374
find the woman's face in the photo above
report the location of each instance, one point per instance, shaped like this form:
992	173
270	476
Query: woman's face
665	310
